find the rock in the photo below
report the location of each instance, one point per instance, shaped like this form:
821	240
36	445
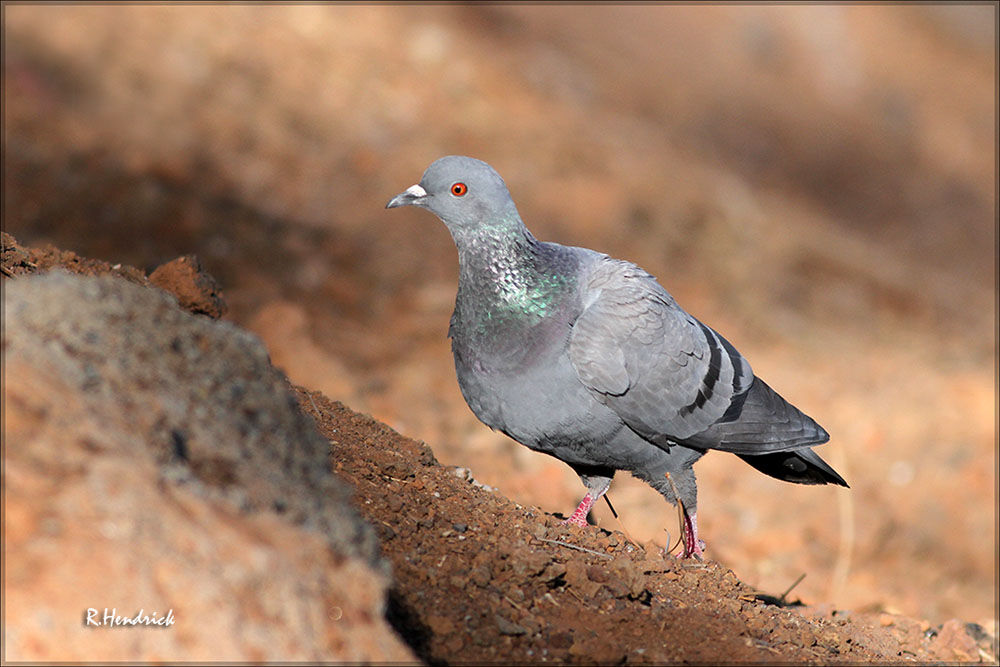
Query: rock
480	575
441	625
597	574
156	461
13	258
953	642
577	579
196	290
509	628
17	260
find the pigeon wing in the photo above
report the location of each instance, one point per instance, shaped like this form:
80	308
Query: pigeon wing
667	375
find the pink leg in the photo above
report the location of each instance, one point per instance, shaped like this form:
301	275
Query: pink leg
597	486
579	517
693	547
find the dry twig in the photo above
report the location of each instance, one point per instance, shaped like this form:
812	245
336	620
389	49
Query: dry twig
578	548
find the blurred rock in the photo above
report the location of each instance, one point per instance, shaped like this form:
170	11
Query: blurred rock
15	258
156	462
18	260
196	290
953	642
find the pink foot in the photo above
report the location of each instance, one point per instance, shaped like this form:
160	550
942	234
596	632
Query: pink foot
693	547
579	517
596	487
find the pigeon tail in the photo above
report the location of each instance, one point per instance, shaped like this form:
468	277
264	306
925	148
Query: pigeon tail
801	466
765	423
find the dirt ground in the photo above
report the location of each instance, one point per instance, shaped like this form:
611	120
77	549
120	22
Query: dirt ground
478	578
818	183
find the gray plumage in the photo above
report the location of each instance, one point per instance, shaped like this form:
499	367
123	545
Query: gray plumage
588	359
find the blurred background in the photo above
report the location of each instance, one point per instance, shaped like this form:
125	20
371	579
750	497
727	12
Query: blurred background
817	182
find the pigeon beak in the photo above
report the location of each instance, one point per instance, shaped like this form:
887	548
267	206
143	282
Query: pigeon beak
413	195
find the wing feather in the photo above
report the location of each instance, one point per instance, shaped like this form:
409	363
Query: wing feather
660	369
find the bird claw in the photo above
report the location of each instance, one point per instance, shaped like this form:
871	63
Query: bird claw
575	520
693	547
697	552
579	516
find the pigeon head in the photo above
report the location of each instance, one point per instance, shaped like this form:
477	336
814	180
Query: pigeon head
467	194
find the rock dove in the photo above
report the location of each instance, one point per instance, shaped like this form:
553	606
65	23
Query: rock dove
588	359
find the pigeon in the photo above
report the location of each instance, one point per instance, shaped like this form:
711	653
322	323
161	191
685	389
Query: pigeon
589	359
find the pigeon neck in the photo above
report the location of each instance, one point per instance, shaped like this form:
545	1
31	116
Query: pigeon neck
501	273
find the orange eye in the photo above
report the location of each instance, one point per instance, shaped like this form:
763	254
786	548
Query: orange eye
459	189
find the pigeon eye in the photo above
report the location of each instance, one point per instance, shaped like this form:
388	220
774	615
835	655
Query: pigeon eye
459	189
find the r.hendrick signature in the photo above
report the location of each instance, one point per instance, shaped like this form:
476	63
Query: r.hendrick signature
111	619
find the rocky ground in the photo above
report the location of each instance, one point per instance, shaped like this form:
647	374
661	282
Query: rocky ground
128	448
816	182
154	454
